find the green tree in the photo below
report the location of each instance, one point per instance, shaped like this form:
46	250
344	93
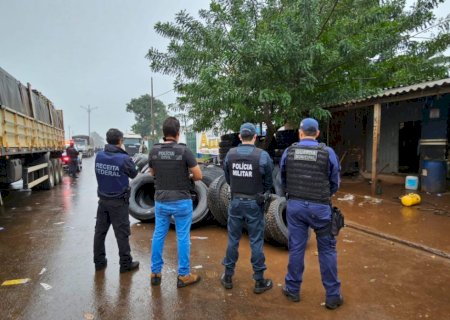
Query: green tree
143	116
274	61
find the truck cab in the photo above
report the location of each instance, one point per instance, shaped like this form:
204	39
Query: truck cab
133	144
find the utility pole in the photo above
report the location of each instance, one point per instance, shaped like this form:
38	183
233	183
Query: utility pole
152	124
89	110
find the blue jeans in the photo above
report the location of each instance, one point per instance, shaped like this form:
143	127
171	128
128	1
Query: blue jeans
246	212
301	215
181	210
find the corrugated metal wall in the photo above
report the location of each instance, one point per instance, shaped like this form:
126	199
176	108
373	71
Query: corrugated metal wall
391	116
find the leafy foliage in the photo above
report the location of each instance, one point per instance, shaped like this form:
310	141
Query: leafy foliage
275	61
143	115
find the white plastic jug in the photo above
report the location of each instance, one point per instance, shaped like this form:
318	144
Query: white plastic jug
412	183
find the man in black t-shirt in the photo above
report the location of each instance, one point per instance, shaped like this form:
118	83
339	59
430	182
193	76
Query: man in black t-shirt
172	164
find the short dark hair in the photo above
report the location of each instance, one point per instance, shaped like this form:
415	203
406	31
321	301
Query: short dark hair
113	136
247	137
171	127
310	132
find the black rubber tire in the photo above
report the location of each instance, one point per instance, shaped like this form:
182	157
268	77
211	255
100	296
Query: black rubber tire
278	185
145	168
232	137
224	200
213	199
60	170
141	161
50	182
210	173
278	152
56	173
285	138
142	201
276	223
200	204
225	144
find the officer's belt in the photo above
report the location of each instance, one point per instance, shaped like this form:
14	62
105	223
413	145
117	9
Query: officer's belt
291	197
244	196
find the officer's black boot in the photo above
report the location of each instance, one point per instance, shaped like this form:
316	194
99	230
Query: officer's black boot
334	302
101	266
262	285
226	281
295	297
132	266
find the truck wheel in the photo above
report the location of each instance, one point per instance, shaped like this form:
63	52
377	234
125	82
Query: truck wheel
214	203
278	185
50	182
210	173
56	173
142	198
199	204
276	223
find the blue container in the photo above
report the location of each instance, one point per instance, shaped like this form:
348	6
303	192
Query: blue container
434	174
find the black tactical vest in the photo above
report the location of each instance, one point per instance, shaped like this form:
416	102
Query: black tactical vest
171	171
245	176
307	173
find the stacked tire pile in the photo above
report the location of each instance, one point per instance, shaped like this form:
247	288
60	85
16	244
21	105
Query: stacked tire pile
212	195
142	194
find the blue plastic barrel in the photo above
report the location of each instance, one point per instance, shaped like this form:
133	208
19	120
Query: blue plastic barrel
434	174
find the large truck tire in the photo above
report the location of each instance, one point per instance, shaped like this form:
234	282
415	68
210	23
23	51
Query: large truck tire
145	169
224	198
286	138
276	222
210	173
142	198
50	182
277	184
227	141
56	171
213	199
199	203
140	160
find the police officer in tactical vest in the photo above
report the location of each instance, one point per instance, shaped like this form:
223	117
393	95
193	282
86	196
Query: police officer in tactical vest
175	169
113	168
248	171
310	174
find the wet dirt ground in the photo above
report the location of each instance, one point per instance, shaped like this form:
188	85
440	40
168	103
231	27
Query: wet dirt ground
54	230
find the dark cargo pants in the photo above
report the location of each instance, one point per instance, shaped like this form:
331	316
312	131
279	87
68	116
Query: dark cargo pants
115	212
302	214
246	212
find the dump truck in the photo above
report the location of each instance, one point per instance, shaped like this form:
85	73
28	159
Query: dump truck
31	136
84	144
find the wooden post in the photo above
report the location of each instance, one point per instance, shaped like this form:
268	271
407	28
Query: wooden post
375	145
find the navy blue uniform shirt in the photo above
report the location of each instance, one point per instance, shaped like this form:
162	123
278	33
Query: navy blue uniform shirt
333	168
265	165
113	167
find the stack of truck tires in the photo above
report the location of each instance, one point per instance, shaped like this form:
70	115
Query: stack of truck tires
211	196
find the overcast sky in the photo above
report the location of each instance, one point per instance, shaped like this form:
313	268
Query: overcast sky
90	52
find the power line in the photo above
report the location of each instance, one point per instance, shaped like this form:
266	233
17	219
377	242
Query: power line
159	95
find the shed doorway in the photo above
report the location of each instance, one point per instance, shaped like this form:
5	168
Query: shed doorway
408	152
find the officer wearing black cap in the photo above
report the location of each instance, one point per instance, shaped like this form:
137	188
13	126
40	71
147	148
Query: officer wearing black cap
310	174
248	171
113	168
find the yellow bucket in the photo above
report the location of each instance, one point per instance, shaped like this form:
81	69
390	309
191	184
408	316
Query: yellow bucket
410	199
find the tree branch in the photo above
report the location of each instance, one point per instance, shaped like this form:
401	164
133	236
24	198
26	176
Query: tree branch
328	18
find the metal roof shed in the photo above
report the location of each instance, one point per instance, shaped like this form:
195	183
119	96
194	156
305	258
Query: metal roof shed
436	88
